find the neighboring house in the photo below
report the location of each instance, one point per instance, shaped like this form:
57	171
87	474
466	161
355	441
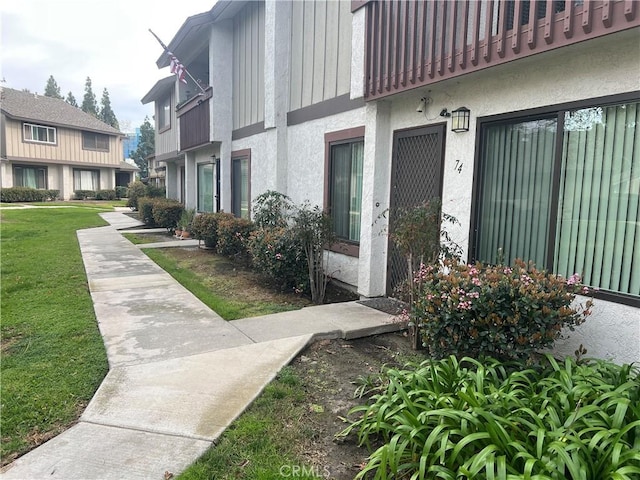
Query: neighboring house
157	172
49	144
349	104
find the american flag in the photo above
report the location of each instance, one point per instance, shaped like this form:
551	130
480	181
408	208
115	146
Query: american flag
177	68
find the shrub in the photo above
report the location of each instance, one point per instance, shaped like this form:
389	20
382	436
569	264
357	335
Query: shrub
205	227
186	219
271	209
145	210
233	236
278	254
484	419
23	194
83	194
135	191
53	195
154	191
314	230
505	312
166	213
106	195
121	192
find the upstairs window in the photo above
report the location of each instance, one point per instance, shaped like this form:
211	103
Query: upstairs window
39	133
164	114
95	141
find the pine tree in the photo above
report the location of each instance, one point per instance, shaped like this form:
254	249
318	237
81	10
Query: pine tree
52	89
106	113
71	100
146	147
89	102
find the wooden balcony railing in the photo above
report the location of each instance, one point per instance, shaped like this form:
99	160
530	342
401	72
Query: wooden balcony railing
415	43
195	121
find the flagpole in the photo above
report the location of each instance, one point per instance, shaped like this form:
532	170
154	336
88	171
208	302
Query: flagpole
168	52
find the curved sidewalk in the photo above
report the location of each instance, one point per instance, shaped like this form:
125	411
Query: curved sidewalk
179	374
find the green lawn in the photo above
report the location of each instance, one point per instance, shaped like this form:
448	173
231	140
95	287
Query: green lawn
53	357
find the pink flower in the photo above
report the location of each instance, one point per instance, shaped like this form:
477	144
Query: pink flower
278	256
476	281
508	271
573	279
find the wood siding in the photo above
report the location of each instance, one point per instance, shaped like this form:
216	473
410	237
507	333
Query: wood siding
320	51
68	147
167	141
194	120
412	44
248	66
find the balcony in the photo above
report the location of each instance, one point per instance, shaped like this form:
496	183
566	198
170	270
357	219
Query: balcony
416	43
195	121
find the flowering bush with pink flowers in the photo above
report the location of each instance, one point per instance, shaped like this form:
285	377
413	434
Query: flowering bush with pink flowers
499	311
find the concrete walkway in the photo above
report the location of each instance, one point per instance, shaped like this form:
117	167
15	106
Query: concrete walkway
179	374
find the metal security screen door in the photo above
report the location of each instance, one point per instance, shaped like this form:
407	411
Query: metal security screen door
416	176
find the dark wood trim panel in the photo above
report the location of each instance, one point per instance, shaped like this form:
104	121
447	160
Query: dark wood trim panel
333	106
248	131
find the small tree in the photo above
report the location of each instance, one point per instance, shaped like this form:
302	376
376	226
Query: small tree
89	102
52	89
315	230
106	113
271	209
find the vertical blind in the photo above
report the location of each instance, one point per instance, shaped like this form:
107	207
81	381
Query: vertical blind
516	192
598	224
240	193
346	189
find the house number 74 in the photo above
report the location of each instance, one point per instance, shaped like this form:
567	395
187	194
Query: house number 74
458	166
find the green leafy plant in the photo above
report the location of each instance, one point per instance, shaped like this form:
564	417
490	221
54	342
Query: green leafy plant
121	192
84	194
205	227
166	213
314	229
186	219
135	191
105	195
277	253
233	236
26	194
505	312
272	209
144	205
456	419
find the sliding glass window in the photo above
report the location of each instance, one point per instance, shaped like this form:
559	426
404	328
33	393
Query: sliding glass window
563	191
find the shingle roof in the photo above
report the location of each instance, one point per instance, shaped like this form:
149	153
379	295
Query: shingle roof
50	111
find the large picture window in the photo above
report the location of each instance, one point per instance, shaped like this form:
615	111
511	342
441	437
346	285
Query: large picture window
39	133
240	185
86	179
205	187
32	177
95	141
563	191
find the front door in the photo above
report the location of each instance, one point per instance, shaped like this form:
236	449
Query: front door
416	176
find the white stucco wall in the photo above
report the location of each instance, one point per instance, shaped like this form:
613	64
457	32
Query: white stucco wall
593	69
264	155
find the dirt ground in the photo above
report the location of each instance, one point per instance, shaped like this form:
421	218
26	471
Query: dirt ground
329	369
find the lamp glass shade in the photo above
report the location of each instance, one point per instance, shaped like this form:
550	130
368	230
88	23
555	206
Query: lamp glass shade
460	120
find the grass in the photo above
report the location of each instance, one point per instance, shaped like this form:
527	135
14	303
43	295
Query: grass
137	239
219	285
265	442
53	357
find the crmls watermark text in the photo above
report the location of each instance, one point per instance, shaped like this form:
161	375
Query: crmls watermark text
299	471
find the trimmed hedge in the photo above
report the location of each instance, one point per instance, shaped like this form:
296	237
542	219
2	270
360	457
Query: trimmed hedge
233	236
145	210
166	213
106	195
205	227
26	194
121	192
83	194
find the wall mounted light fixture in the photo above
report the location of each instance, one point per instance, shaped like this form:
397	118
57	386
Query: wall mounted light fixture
460	119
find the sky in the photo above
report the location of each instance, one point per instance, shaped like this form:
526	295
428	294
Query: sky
106	40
